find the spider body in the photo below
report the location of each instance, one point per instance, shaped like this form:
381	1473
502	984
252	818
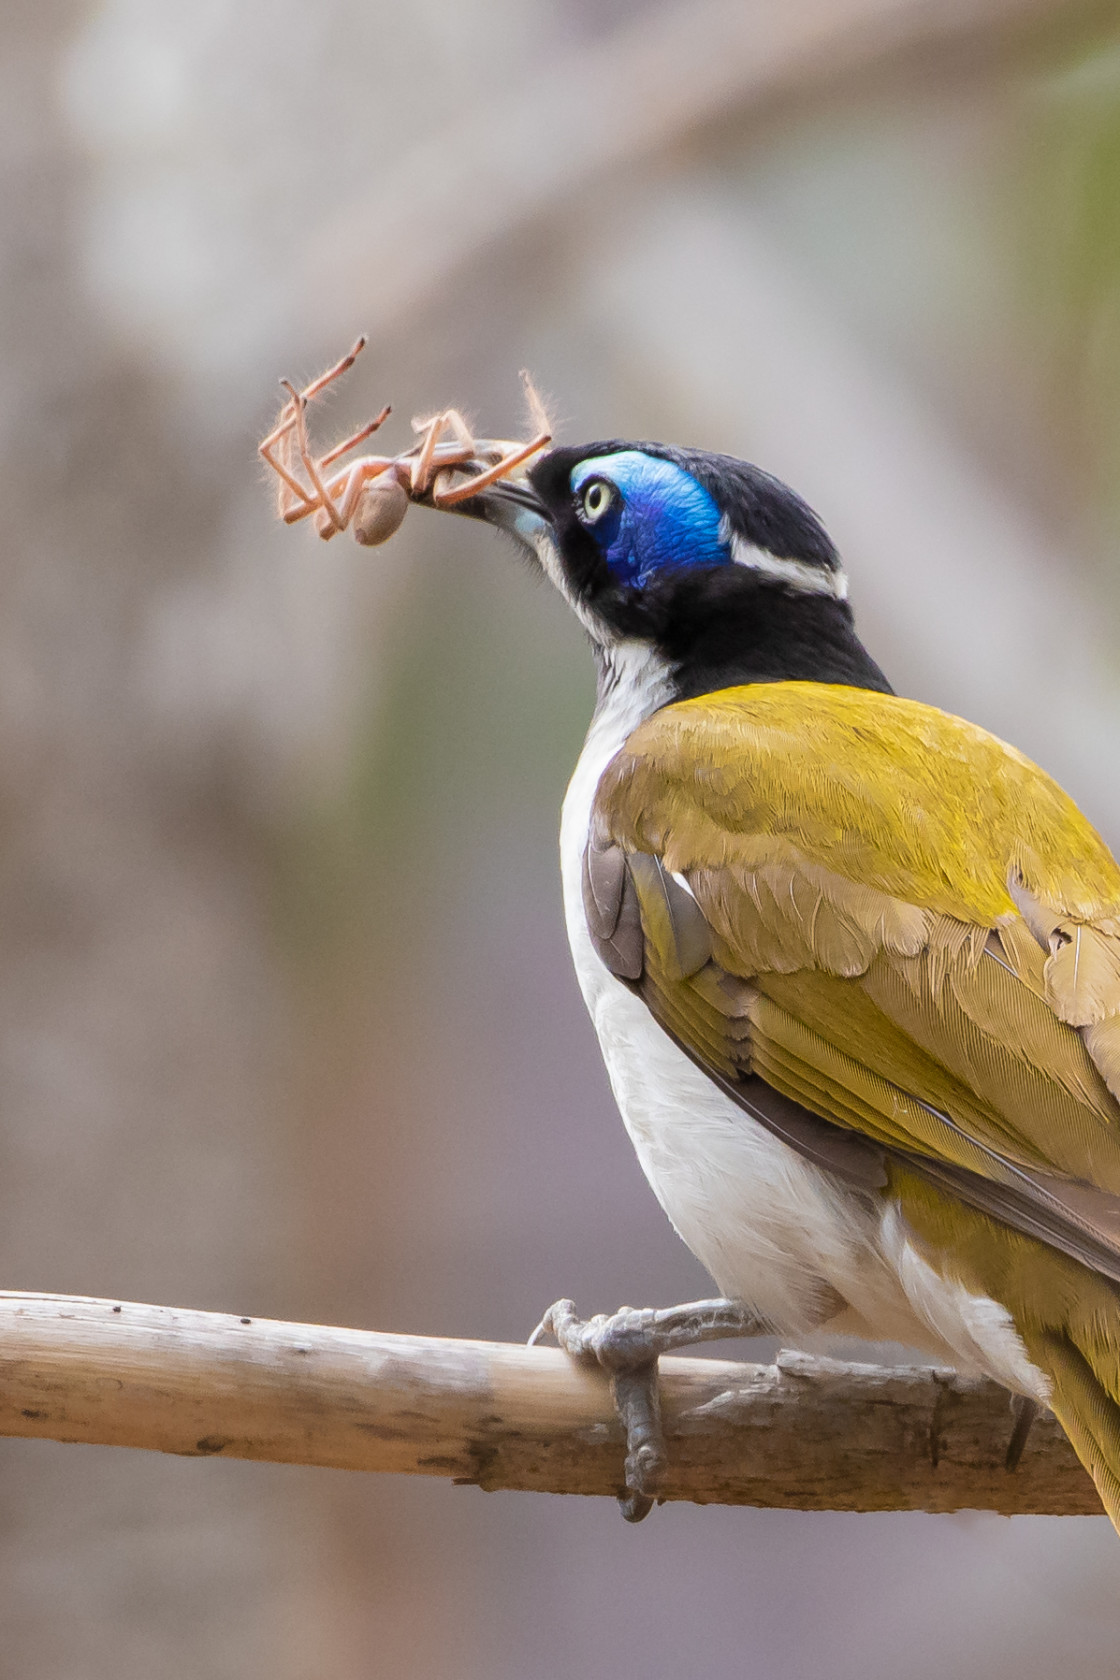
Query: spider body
371	494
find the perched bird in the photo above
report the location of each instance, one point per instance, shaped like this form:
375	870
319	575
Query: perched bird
854	964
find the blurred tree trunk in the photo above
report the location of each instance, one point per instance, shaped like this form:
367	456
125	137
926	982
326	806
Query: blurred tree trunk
142	1069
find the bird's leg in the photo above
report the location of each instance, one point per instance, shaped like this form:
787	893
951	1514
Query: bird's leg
627	1344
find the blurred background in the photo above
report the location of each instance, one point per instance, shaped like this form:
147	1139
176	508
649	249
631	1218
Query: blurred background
287	1024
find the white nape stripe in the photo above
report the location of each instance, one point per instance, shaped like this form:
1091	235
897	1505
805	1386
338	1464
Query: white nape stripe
797	574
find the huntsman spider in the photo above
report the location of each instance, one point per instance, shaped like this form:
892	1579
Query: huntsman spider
372	494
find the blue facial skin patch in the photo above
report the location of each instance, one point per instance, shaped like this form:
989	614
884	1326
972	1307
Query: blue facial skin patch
661	518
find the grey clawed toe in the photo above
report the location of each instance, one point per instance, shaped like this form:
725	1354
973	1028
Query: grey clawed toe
627	1345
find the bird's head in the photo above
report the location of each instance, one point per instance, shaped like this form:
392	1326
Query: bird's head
717	568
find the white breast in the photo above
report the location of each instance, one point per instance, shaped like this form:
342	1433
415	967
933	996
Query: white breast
772	1229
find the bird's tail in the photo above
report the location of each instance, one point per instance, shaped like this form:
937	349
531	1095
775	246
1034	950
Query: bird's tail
1084	1399
1067	1315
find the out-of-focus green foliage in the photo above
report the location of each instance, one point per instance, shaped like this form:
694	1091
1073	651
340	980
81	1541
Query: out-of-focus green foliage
479	718
1070	249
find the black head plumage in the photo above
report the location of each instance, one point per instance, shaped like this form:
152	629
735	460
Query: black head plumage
724	568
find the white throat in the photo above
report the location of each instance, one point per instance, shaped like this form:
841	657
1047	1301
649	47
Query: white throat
634	682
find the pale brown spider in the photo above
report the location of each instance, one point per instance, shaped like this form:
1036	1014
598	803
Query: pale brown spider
372	494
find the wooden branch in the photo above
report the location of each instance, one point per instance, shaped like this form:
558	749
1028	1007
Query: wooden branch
648	86
813	1434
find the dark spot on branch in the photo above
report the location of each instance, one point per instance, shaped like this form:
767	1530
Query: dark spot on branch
937	1423
483	1456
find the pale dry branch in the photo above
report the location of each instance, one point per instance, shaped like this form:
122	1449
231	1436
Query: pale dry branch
638	92
805	1433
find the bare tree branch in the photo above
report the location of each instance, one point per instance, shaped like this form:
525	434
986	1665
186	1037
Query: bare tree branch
633	94
806	1433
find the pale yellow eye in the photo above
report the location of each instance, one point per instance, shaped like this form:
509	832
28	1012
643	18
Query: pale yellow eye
598	498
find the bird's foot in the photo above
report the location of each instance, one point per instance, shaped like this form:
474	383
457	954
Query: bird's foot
627	1344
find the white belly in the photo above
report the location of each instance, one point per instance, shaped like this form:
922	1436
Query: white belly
773	1230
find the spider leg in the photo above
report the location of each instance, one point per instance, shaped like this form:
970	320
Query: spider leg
462	432
342	490
293	497
358	476
288	413
482	480
289	486
359	436
444	443
538	414
421	467
347	487
334	372
284	424
310	465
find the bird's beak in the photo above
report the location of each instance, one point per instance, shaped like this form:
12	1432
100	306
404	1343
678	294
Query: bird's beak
510	503
512	507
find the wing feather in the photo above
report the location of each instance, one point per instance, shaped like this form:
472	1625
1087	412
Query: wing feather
897	922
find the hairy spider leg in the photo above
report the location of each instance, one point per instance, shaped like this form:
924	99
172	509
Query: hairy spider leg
281	435
287	413
482	480
425	463
310	465
359	436
334	499
345	487
340	483
335	372
538	414
292	498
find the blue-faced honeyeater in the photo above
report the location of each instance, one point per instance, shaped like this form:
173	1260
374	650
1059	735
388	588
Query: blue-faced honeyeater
853	963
